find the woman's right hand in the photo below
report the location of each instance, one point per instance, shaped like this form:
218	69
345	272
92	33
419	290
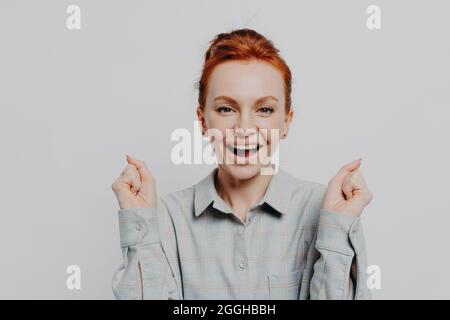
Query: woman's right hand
135	187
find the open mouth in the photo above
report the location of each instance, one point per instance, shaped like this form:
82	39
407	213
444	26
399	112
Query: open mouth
244	151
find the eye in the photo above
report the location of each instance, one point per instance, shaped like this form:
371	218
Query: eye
266	110
224	109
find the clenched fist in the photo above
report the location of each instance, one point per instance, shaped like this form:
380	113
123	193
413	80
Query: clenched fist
135	187
347	191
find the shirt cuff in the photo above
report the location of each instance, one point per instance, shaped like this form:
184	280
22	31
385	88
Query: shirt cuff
136	223
337	232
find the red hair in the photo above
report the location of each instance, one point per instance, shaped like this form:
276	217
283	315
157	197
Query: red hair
242	45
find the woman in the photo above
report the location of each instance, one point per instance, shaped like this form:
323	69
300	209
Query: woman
241	233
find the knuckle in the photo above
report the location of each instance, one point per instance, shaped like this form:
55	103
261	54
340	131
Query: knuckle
115	186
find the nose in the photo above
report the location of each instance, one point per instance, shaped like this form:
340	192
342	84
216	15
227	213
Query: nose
245	127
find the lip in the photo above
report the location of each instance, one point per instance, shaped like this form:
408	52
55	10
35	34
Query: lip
244	150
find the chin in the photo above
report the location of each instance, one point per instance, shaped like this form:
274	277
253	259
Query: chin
242	171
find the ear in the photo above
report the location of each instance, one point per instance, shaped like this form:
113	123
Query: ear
287	123
201	117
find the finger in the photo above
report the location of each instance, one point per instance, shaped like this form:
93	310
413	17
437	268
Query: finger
362	187
142	168
355	186
347	186
131	177
359	180
338	179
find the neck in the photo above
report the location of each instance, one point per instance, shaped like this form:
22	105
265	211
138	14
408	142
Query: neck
241	194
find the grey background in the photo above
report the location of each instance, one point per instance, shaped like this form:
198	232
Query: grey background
74	102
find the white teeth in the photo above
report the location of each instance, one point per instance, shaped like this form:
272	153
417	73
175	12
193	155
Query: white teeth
253	146
244	147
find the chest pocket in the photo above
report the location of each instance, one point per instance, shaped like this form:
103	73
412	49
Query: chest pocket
285	286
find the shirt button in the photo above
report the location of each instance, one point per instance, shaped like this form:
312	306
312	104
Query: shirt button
242	265
138	226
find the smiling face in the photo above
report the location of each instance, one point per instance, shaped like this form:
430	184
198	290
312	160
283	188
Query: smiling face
245	112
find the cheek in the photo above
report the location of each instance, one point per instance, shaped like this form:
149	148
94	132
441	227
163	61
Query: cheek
220	122
271	128
273	122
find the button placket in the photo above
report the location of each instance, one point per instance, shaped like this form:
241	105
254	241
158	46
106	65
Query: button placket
242	249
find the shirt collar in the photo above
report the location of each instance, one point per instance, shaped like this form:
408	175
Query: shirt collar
277	196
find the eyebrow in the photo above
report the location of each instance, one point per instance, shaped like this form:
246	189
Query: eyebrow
232	101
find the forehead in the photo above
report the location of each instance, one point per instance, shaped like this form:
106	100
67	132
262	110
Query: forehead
245	81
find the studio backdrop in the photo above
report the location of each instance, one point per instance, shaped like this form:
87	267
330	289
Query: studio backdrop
82	83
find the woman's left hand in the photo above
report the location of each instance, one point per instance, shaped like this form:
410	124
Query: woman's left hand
347	191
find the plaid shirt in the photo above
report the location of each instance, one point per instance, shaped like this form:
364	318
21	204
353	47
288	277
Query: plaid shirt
192	246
